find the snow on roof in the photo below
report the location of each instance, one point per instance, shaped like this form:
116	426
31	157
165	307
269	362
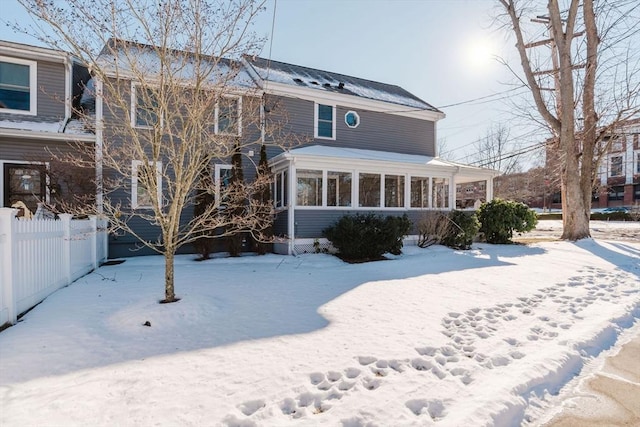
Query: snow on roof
296	75
360	154
137	59
73	127
464	173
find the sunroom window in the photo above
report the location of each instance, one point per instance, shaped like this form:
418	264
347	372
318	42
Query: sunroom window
338	188
419	192
309	187
394	191
440	193
369	190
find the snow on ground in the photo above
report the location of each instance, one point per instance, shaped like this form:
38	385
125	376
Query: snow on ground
434	336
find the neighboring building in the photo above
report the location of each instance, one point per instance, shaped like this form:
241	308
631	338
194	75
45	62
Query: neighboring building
39	91
618	173
619	170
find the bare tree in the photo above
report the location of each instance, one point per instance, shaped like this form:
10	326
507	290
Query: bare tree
169	104
495	151
581	41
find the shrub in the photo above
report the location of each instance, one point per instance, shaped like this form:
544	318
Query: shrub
367	237
500	218
463	229
433	227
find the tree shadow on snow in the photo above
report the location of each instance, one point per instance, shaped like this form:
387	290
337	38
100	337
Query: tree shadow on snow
113	316
626	257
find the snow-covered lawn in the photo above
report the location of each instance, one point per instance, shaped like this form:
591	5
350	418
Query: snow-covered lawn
434	336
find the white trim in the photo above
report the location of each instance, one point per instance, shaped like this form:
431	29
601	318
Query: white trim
316	118
357	119
33	86
349	101
28	134
34	52
134	184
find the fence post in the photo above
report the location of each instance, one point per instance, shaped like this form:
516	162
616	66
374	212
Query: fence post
7	282
66	245
94	241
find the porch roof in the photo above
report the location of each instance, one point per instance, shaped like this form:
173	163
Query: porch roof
396	161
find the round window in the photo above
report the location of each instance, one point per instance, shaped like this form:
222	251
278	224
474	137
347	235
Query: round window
352	119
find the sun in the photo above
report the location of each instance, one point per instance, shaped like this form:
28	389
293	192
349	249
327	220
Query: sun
479	52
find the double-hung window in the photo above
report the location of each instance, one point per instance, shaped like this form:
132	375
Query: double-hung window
223	174
144	111
616	166
228	117
18	87
325	121
145	178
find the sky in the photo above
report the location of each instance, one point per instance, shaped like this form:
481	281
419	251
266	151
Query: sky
439	50
435	337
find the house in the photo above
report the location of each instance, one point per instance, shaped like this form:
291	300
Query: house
370	147
362	146
39	91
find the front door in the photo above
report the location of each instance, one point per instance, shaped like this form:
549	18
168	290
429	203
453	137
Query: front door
24	182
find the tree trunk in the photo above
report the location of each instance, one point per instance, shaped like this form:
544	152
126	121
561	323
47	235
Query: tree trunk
575	216
169	291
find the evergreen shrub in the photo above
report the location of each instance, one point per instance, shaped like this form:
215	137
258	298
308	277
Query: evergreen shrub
500	218
366	237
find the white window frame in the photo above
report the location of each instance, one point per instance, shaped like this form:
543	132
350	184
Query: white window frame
218	167
135	164
316	117
33	86
239	109
357	119
637	163
134	108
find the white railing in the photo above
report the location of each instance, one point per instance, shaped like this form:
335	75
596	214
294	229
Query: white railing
38	257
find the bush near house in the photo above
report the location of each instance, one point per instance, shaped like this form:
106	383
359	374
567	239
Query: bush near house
362	238
500	218
463	229
455	229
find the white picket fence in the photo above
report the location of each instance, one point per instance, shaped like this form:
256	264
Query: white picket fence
38	257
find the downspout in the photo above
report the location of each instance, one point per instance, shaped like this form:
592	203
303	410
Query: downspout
99	143
68	65
291	207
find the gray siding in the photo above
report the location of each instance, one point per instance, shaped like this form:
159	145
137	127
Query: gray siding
309	223
377	131
51	94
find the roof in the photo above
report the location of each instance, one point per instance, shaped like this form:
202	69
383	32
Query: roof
299	76
73	129
464	173
130	58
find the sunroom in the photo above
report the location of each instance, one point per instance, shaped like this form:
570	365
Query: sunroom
314	186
